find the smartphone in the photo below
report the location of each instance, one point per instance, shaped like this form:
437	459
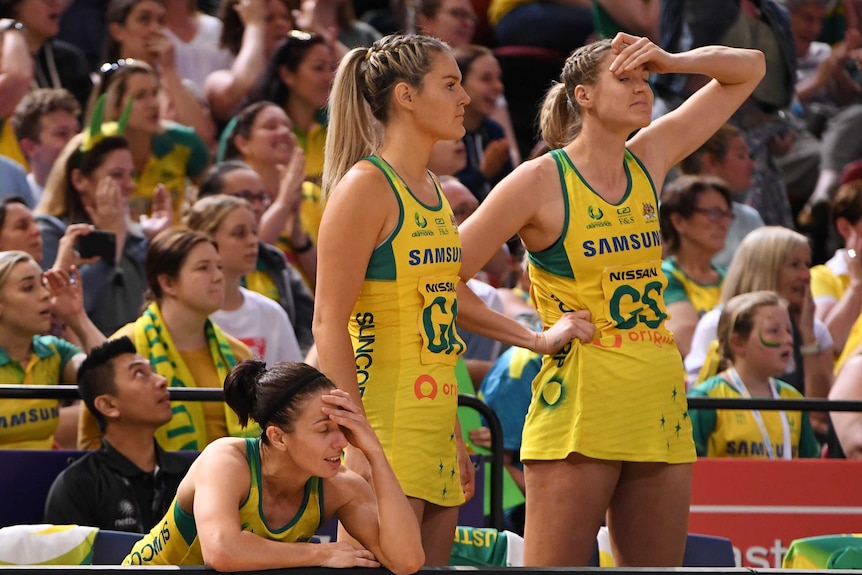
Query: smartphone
98	243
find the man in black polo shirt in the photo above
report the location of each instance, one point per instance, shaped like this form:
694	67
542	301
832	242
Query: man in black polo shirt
129	483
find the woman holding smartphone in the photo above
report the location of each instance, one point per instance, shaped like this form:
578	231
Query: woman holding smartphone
87	191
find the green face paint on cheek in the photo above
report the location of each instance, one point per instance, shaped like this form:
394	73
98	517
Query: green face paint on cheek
768	343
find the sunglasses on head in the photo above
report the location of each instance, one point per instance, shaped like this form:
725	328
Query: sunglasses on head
108	68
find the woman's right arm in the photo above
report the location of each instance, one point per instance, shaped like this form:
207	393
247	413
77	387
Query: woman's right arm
847	424
225	89
16	70
355	215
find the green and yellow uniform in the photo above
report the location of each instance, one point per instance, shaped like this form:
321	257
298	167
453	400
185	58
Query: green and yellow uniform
174	539
680	287
736	433
178	156
31	423
406	345
622	396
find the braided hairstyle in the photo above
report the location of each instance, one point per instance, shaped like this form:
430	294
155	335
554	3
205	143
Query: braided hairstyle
560	117
359	104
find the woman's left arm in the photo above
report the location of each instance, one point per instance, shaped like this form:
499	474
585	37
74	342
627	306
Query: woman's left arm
67	302
377	515
475	316
683	321
735	72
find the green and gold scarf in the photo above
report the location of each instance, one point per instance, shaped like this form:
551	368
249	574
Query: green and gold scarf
187	429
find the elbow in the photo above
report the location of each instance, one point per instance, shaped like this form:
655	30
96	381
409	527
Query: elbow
220	558
759	68
409	564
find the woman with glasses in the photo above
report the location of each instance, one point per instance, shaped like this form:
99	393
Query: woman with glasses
273	276
262	136
694	216
453	21
136	30
775	259
164	153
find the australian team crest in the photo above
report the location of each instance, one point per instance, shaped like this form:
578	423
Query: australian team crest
649	212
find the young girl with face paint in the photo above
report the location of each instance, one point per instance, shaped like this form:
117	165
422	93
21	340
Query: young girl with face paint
755	339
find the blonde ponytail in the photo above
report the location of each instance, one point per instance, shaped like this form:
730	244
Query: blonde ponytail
557	118
350	135
360	97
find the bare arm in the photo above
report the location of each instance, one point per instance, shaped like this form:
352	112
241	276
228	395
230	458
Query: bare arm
494	222
640	17
840	316
735	72
345	247
16	70
848	424
225	89
683	320
377	515
475	316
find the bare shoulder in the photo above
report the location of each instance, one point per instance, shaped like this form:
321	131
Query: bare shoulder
363	182
537	175
223	451
345	487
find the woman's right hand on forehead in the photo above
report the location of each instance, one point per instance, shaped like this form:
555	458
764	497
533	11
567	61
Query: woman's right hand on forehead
340	408
630	52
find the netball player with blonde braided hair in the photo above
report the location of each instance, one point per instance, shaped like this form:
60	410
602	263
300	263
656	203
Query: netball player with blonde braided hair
389	255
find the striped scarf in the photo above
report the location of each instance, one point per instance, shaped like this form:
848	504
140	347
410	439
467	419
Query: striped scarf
187	429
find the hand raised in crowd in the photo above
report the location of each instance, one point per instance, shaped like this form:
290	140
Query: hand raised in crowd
67	296
494	157
251	12
804	318
161	50
572	325
162	215
67	255
291	179
108	207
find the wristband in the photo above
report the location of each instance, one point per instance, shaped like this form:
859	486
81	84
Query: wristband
304	247
810	349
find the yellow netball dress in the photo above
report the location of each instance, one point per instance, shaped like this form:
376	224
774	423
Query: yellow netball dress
174	539
406	345
622	396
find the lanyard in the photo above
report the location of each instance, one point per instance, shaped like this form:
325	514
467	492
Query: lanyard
739	386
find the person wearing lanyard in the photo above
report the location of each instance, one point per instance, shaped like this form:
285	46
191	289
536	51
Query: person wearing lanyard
755	339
